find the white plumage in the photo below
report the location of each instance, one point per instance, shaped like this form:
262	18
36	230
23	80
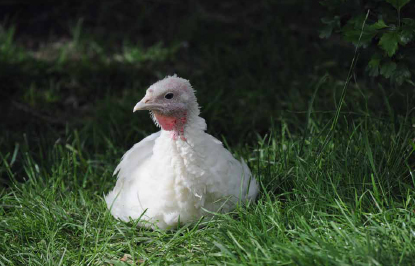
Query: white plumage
181	172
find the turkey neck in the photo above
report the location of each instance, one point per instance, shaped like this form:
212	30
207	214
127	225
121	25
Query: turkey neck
175	123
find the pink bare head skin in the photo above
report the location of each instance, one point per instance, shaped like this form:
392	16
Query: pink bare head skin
171	101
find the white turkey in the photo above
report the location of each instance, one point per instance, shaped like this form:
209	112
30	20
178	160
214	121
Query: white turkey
180	173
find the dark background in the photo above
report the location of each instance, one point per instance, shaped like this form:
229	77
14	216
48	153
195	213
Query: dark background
82	65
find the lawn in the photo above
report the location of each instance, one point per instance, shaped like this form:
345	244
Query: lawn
333	149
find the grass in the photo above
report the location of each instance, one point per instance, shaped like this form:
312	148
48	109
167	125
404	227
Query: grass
352	204
337	184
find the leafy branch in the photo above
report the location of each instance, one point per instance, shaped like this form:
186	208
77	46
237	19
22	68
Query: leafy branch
387	37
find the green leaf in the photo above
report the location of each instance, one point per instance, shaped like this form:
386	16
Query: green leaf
387	69
373	66
378	25
401	74
353	31
409	22
331	24
358	37
406	36
389	42
407	33
326	32
398	4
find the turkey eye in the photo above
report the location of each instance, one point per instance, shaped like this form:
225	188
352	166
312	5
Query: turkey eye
169	96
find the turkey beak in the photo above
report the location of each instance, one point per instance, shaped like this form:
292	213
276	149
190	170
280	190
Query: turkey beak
147	103
139	106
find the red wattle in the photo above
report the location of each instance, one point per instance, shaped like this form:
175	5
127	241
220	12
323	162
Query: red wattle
166	122
174	124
